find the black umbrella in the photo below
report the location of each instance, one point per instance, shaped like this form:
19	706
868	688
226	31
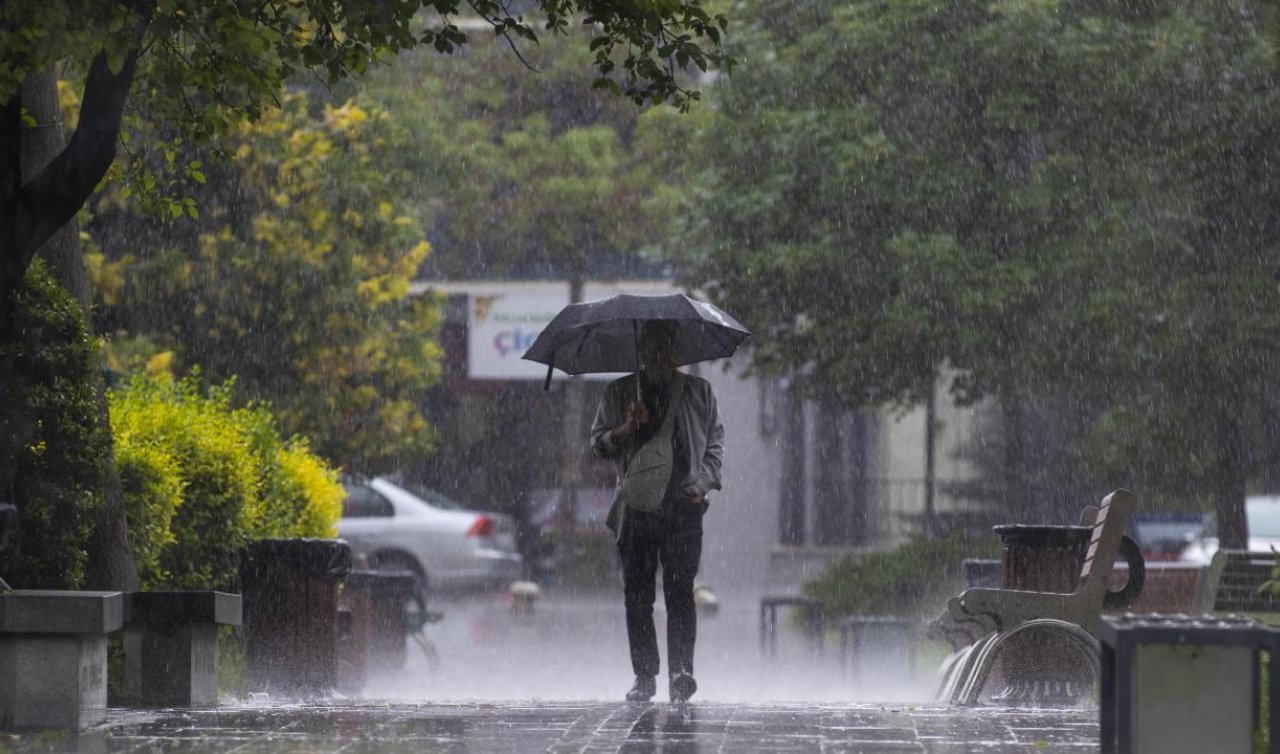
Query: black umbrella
604	335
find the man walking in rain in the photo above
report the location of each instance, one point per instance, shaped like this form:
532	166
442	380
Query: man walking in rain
671	536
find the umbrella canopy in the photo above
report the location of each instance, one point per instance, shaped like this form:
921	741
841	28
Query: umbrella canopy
603	336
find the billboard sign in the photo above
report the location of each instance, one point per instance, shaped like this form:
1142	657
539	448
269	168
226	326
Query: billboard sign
500	328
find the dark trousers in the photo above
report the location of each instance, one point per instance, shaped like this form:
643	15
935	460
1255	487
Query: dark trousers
671	539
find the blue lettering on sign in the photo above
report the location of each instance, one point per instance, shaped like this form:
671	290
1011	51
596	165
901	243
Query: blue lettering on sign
514	341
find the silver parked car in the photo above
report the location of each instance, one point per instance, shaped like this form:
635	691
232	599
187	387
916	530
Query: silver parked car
448	546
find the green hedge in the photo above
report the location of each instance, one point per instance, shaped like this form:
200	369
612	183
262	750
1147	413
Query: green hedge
53	450
915	580
203	478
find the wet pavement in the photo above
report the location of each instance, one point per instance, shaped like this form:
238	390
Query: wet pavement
496	683
563	727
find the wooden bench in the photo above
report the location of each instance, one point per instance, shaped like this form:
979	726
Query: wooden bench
993	616
1000	609
862	636
1233	583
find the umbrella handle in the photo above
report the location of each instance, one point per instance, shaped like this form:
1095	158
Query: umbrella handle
546	384
635	329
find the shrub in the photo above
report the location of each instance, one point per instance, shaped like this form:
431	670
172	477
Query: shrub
586	560
237	480
53	450
303	497
152	483
915	580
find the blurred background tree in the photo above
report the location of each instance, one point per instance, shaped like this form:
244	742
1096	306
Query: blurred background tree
293	277
1064	205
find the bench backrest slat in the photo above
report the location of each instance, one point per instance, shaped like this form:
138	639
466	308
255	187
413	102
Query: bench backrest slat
1104	543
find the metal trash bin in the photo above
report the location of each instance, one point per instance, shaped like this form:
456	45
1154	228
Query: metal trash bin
375	639
1179	683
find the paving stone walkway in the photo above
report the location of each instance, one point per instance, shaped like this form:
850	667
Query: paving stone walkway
565	727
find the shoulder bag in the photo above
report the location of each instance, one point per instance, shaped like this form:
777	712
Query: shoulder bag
645	483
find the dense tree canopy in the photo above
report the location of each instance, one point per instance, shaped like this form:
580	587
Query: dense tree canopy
1048	197
198	67
533	175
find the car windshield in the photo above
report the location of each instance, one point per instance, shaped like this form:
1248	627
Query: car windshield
1264	517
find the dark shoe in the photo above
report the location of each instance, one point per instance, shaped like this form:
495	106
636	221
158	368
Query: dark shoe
643	689
682	687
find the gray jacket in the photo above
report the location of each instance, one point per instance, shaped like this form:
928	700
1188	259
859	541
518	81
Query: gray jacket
698	422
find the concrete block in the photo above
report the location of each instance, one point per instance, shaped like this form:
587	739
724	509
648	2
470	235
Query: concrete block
172	666
36	611
160	608
53	657
171	646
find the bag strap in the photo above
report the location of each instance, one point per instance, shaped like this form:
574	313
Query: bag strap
668	421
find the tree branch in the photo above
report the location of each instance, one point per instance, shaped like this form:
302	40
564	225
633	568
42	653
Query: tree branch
54	195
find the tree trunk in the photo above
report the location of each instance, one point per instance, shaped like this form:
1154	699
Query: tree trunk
1015	471
110	558
930	458
36	204
1229	483
792	494
40	145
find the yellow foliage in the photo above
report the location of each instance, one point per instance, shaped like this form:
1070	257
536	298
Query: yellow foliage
161	365
69	104
346	118
317	486
318	219
107	278
416	256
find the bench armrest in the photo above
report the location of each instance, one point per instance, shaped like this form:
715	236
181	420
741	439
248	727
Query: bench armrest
1011	606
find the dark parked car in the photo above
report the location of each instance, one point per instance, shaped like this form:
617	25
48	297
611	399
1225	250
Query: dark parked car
592	509
1162	536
